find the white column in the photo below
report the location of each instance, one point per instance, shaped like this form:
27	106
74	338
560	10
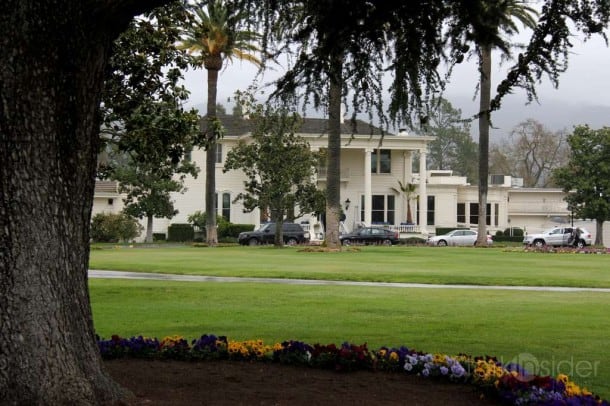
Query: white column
368	197
423	195
407	177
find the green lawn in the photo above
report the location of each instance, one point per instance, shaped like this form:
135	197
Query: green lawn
445	265
556	332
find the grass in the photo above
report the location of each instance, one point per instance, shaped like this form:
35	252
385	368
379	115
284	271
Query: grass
554	332
490	266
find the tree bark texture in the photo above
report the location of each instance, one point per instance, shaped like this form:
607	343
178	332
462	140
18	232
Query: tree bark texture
484	107
210	160
51	74
333	163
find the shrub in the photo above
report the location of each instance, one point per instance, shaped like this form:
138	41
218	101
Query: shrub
158	236
231	230
516	232
109	227
179	232
499	233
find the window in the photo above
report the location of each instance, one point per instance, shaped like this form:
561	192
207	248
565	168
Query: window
430	213
383	209
496	215
461	212
381	161
226	206
218	153
188	156
474	214
110	202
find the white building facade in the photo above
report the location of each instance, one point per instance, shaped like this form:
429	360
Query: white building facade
371	167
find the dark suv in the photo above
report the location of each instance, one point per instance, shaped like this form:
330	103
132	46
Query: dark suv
265	234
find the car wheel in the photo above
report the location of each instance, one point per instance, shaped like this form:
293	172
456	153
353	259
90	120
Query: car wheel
387	242
442	243
252	242
581	244
346	242
539	243
291	241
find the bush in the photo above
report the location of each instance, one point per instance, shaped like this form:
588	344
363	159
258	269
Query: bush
516	232
158	236
109	227
230	230
179	232
499	233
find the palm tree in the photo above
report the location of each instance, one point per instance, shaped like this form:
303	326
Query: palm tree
408	189
501	15
214	36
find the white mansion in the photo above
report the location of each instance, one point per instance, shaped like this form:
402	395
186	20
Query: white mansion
370	169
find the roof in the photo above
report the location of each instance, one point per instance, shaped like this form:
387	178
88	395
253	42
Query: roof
106	186
236	126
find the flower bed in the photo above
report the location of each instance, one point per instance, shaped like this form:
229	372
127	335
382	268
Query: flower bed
510	384
549	249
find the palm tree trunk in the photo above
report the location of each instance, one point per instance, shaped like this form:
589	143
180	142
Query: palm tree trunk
210	160
484	118
333	162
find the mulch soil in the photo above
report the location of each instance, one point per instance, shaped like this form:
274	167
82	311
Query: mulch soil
155	382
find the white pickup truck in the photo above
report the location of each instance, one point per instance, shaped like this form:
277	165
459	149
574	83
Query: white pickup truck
557	236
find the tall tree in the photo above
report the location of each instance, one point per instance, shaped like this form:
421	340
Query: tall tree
273	181
531	152
498	18
145	126
215	33
453	147
51	78
586	176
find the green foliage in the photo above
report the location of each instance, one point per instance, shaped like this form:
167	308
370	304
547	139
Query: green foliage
197	219
159	237
453	147
230	230
514	231
178	232
586	177
110	227
273	181
146	131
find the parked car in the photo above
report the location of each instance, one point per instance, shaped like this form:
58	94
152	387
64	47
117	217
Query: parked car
265	234
370	235
457	238
558	236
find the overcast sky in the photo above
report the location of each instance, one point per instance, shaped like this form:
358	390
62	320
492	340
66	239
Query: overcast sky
583	96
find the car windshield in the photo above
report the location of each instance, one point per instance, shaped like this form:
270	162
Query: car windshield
264	227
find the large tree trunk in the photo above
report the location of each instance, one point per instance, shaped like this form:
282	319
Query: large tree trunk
210	158
599	232
333	162
51	74
149	228
484	117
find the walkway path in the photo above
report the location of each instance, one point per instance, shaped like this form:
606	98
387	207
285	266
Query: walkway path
93	273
